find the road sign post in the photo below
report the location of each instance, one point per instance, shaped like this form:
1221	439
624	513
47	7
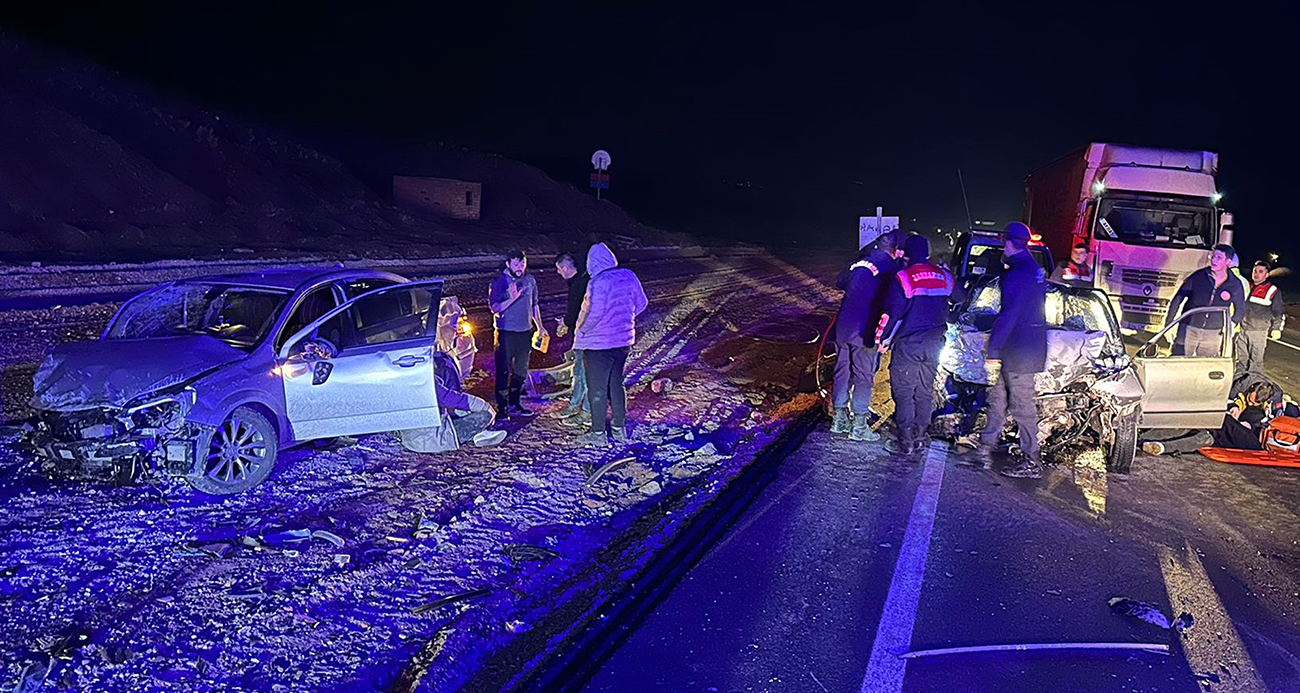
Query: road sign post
600	180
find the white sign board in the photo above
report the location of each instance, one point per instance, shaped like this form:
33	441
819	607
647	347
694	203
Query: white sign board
868	231
600	160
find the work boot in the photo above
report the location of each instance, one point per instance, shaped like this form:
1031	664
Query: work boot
842	422
581	420
1025	469
899	447
520	410
862	431
571	410
589	438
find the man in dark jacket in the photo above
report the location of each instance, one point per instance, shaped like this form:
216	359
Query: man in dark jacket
1265	317
1213	286
567	267
912	327
854	336
1017	349
512	297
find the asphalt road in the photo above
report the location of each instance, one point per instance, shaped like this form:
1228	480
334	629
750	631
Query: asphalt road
849	559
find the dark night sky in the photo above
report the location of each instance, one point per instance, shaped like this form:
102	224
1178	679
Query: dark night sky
824	111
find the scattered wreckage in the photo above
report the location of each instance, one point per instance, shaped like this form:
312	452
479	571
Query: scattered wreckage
208	378
1092	391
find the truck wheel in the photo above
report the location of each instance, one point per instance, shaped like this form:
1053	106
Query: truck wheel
1120	459
240	454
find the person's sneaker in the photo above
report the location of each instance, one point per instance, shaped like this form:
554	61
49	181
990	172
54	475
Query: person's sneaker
571	410
619	434
1153	448
520	410
582	420
920	446
591	438
841	423
486	439
1025	469
863	433
899	448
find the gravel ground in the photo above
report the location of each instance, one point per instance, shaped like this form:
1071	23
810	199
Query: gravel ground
421	568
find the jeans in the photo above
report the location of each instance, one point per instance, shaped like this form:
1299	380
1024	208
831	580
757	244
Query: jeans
912	370
579	396
855	372
1250	350
605	387
1196	341
1013	393
513	350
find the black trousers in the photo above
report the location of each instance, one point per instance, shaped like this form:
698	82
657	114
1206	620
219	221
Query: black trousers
513	350
912	369
605	386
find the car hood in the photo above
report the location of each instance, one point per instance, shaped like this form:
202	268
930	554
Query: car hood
110	373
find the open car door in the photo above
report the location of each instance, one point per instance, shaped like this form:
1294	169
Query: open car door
365	367
1185	391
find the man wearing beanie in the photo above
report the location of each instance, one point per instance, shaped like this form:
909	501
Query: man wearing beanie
913	327
1017	349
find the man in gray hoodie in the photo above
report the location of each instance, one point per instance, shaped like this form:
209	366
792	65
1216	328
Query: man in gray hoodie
605	331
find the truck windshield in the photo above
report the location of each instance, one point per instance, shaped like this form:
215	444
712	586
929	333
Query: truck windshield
1155	221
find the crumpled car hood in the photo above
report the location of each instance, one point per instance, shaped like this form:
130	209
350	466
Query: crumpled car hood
1070	356
110	373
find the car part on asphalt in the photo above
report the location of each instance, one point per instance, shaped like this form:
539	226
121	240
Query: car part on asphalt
1154	648
438	603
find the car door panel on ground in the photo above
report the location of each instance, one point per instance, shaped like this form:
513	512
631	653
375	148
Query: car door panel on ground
1185	391
381	376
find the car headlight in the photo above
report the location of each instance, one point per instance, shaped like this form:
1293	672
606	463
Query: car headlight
160	411
464	327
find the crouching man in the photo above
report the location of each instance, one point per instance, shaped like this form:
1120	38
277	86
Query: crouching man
465	419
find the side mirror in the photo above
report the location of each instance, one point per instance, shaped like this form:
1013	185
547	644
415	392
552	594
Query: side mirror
315	349
1149	351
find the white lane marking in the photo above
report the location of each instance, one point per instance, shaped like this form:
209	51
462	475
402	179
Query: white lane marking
1213	641
885	669
1289	346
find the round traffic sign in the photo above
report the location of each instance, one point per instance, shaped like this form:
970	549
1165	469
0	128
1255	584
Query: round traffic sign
600	160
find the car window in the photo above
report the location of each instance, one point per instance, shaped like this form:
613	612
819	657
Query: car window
1067	309
315	304
393	315
238	315
357	287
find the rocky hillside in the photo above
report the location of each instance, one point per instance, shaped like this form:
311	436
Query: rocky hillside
94	166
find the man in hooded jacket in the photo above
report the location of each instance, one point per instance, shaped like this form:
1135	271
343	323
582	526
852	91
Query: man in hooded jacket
863	283
605	331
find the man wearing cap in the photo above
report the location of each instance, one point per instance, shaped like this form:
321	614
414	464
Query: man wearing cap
1209	287
912	326
1265	317
1017	349
854	335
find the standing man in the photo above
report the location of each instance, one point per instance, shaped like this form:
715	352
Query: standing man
1264	320
855	328
512	298
577	279
1017	349
913	327
606	330
1077	270
1213	286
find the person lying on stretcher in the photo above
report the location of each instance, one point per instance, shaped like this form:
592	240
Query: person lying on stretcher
1241	430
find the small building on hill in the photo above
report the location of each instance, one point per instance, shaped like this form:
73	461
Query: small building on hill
445	197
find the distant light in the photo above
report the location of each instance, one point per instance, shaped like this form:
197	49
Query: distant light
1272	257
1216	197
1098	187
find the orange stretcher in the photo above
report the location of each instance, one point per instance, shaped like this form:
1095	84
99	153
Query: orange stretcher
1281	441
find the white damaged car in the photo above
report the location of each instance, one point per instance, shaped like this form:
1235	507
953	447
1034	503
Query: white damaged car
1092	391
209	378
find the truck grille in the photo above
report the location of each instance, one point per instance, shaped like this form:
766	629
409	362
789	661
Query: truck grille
1141	277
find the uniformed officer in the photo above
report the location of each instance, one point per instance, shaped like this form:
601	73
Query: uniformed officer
912	327
855	358
1265	318
1017	349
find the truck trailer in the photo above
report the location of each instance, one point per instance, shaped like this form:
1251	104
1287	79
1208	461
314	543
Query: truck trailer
1148	216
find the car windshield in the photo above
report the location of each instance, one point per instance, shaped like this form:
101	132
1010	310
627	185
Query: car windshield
1166	222
1067	308
237	315
985	260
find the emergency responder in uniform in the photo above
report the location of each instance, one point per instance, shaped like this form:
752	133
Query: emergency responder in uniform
1264	318
1017	349
1077	270
855	357
1213	286
912	327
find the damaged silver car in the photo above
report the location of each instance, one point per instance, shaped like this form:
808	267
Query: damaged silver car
1092	392
209	378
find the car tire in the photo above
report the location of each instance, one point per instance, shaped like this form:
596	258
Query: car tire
239	455
1120	459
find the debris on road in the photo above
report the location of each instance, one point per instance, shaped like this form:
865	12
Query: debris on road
1145	611
444	601
1154	648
